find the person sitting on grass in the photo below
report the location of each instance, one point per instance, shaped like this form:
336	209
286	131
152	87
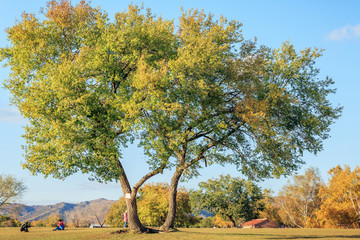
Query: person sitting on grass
60	226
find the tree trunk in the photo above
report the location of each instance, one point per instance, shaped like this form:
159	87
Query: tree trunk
232	220
133	218
170	219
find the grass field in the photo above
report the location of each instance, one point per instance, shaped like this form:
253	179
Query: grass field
182	234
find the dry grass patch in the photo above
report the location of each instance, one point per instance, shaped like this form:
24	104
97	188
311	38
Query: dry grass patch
182	234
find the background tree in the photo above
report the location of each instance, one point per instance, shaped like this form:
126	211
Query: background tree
72	77
299	200
208	222
232	199
38	223
152	207
271	207
75	218
116	211
94	211
7	221
53	220
11	190
340	199
154	204
221	223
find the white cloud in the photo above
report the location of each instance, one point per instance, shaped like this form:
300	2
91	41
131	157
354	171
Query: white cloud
11	115
346	32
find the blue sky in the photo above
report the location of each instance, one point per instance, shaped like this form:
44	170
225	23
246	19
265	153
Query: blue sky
331	25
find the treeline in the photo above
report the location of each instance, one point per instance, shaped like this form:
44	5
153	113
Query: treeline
304	202
91	213
309	202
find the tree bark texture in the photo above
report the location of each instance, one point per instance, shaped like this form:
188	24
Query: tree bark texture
170	219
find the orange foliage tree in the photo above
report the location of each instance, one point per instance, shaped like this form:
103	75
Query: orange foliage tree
340	199
220	222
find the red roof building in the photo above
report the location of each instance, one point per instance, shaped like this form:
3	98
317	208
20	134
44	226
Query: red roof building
261	223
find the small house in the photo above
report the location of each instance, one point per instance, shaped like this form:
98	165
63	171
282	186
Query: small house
261	223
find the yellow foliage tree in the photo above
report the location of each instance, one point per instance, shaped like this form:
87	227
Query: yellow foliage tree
340	199
116	211
153	205
52	220
219	222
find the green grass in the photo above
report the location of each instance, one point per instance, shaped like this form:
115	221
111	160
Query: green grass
182	234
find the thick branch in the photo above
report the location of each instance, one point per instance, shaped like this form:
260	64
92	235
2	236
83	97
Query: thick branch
149	175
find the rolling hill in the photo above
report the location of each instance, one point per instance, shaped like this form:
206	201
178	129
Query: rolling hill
89	210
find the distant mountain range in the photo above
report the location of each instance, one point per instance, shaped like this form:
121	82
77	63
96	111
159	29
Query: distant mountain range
92	211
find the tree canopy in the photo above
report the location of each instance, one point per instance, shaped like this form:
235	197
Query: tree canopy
73	76
239	103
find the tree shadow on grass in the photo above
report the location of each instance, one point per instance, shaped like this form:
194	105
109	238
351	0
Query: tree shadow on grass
318	237
124	231
278	236
242	235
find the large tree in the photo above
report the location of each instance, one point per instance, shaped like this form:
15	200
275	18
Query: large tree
340	198
73	77
233	199
88	86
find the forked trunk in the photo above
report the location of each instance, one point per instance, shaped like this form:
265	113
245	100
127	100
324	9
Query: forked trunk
130	199
170	219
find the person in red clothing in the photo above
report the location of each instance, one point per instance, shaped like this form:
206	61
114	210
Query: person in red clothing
60	226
